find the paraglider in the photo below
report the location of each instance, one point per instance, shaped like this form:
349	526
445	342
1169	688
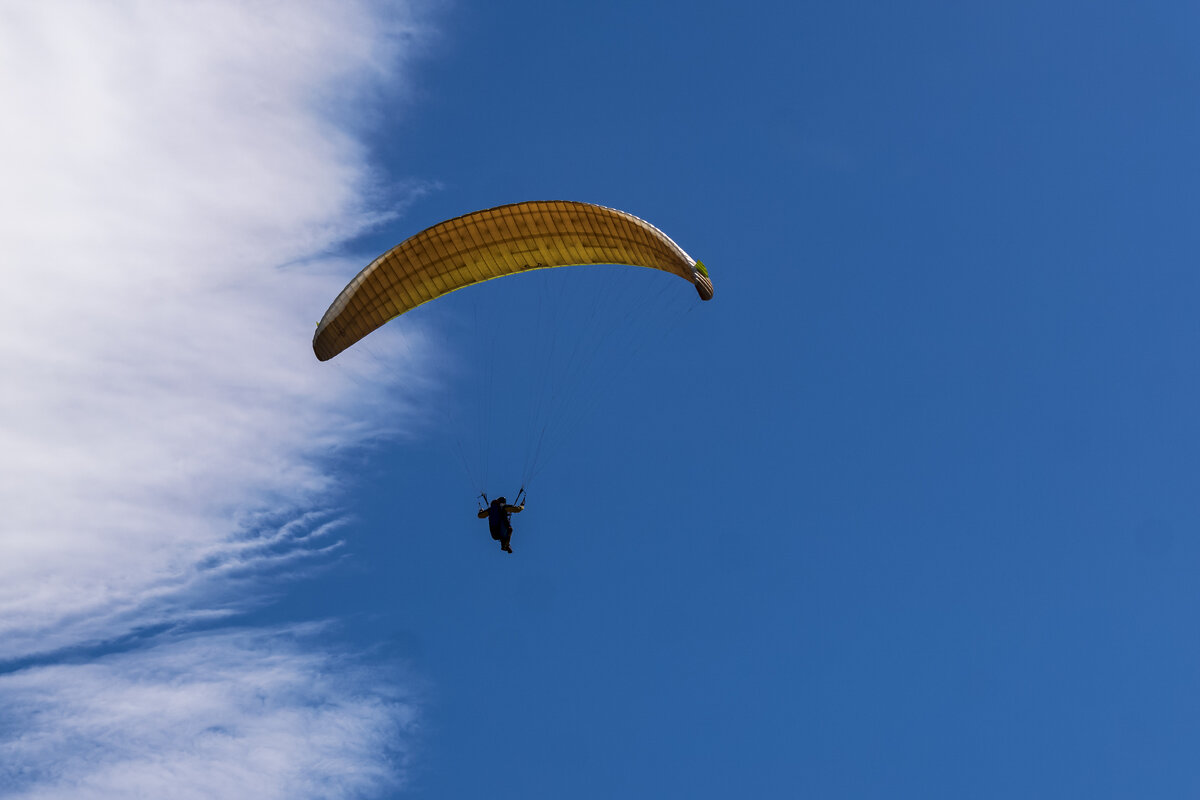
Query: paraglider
499	516
495	243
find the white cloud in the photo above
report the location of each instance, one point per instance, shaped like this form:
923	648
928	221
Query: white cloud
173	173
234	714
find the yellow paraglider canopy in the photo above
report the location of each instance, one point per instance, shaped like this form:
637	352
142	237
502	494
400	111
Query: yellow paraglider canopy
493	243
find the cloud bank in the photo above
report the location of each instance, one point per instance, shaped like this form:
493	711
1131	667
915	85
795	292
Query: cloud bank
174	174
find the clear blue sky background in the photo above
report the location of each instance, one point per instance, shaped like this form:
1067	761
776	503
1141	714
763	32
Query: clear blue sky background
909	509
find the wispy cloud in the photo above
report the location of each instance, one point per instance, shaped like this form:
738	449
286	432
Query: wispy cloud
173	175
233	714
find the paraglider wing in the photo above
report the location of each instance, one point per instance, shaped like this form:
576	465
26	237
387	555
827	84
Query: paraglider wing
500	241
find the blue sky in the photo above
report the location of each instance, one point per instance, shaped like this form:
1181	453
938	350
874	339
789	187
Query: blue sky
906	511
